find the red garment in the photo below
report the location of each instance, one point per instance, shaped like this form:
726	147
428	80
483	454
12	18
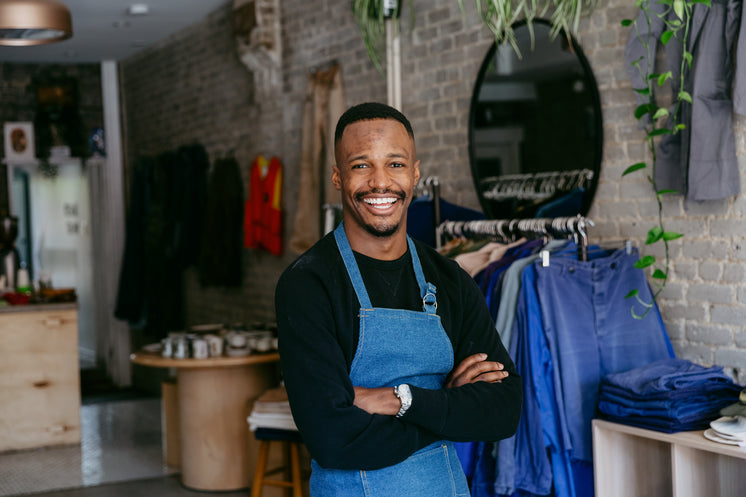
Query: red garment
263	212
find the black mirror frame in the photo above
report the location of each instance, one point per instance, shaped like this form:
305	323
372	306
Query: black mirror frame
595	95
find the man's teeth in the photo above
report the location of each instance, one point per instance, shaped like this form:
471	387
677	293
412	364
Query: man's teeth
380	201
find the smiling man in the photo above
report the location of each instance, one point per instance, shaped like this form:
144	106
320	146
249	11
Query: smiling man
388	350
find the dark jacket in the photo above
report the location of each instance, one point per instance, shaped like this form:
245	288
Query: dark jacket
699	161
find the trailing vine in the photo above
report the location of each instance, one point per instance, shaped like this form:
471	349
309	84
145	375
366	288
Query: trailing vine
658	121
498	15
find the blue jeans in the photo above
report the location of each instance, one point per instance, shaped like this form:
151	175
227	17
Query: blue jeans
591	332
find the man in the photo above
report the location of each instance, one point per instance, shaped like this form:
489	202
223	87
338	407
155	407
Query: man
388	350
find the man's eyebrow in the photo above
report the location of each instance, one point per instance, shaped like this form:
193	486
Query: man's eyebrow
391	155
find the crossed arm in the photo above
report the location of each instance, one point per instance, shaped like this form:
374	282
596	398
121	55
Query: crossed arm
472	369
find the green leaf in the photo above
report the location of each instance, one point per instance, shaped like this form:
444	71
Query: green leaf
659	132
643	109
666	192
646	261
666	37
688	56
680	126
662	112
684	95
655	234
626	22
659	275
666	2
671	235
706	2
664	77
634	167
643	91
678	7
632	293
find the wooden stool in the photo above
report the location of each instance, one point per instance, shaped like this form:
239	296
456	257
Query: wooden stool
291	440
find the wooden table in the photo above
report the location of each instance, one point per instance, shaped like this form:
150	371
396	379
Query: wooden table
215	396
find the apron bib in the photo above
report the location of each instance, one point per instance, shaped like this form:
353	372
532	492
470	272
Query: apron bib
397	346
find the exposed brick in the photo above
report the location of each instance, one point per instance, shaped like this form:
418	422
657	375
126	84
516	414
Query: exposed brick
709	335
730	357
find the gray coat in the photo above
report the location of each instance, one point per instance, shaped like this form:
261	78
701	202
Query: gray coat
700	161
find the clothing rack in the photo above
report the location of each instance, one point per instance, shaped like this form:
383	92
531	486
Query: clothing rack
535	186
509	230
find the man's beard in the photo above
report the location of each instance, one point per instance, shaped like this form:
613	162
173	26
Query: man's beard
387	230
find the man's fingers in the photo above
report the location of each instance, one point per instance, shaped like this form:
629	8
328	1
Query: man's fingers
467	363
470	371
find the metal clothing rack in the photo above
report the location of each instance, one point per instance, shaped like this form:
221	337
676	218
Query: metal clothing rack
535	186
509	230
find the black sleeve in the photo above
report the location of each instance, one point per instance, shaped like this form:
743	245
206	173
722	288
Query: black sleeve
315	348
477	411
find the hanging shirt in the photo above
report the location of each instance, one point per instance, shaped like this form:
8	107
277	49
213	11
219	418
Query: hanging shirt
263	212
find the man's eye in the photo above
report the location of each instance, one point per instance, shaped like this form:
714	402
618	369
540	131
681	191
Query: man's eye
397	164
358	166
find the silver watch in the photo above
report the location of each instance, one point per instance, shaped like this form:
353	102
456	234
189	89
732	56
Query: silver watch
404	394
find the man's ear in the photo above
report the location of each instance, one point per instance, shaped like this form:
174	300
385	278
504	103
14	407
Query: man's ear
336	180
416	172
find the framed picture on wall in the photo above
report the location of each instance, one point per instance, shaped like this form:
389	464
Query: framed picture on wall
19	142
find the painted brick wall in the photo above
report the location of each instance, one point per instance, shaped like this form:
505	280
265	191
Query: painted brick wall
192	87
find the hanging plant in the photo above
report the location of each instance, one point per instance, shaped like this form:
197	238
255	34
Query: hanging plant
658	121
498	15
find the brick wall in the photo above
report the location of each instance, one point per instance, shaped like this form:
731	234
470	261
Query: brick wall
704	304
192	87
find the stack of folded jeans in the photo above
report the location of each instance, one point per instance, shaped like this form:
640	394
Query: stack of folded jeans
669	395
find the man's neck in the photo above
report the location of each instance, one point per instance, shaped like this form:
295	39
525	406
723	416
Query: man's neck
384	248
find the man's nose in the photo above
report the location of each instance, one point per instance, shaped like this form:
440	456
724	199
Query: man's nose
380	177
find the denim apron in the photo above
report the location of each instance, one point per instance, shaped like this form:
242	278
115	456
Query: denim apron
397	346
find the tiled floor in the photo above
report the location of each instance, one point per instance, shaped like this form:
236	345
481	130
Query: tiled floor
121	441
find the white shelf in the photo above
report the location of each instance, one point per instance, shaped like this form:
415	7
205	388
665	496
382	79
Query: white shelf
630	461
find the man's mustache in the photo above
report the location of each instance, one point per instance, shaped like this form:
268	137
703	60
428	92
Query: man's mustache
380	191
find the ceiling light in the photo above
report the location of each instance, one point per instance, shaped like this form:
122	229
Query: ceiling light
138	9
34	22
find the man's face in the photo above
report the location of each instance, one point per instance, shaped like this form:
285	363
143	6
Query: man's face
376	171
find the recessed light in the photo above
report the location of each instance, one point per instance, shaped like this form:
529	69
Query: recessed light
138	9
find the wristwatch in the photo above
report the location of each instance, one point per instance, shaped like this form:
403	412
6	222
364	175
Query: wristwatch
404	394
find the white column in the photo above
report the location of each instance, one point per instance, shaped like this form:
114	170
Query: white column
114	334
393	64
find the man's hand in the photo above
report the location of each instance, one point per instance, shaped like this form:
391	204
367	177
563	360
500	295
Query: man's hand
476	368
377	400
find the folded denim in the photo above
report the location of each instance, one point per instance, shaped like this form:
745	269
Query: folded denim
682	413
673	407
666	375
712	386
666	427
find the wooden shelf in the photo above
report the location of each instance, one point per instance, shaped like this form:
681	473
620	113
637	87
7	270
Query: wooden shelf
631	461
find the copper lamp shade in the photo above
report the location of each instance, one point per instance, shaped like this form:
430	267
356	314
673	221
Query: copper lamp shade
33	22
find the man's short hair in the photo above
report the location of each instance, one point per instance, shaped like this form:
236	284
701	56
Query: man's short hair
366	112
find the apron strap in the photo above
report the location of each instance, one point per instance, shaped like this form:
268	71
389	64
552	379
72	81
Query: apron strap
352	270
427	290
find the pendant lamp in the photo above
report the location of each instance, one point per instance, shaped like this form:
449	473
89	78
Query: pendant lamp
34	22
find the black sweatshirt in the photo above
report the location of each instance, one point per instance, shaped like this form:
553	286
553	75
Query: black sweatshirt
317	316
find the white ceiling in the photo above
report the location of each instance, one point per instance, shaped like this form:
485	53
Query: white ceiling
103	30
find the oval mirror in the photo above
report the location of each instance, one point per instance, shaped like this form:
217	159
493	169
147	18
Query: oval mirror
535	128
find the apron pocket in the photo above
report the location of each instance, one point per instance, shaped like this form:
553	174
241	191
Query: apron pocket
432	472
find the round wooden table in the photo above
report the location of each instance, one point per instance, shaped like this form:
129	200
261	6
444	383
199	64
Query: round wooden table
215	396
